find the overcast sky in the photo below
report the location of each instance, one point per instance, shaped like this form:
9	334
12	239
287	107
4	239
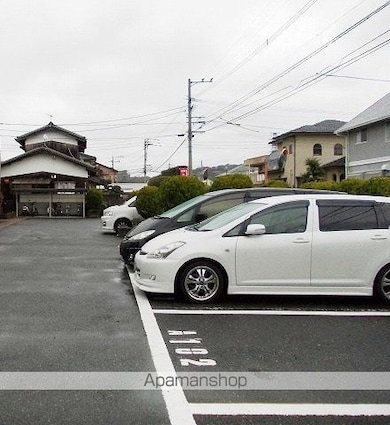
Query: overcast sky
117	73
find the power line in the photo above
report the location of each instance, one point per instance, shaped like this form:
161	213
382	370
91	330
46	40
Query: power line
267	42
380	80
314	80
265	85
128	118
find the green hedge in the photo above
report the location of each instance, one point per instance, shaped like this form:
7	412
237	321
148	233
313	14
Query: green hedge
149	202
233	181
178	189
373	186
93	202
171	191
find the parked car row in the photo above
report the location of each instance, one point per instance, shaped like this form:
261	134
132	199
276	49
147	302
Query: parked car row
300	245
262	241
194	211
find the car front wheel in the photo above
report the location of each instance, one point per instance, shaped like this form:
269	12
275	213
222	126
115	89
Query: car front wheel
122	225
382	284
201	282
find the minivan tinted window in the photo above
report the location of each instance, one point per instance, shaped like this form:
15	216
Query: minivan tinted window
355	215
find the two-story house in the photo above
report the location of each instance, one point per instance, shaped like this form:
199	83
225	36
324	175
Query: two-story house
49	178
368	141
290	151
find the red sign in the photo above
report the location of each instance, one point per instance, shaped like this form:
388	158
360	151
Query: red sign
183	171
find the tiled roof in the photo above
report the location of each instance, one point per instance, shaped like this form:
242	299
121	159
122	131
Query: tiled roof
22	138
44	149
340	162
377	112
322	127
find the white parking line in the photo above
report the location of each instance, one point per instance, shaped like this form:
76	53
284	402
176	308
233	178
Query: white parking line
181	412
275	313
281	409
178	408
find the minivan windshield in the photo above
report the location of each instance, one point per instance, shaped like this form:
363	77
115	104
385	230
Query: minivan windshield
226	217
182	207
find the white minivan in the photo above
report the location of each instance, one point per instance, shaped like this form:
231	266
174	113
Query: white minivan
285	245
120	217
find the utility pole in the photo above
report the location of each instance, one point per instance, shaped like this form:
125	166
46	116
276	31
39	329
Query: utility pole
147	143
114	160
190	132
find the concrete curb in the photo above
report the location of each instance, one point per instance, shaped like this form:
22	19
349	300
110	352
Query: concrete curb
5	222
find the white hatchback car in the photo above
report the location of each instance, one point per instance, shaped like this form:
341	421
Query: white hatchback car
120	217
298	244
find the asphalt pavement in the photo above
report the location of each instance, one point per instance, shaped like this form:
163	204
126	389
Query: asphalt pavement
70	317
67	306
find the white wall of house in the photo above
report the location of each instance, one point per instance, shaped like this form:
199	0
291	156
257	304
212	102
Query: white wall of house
130	187
52	135
43	163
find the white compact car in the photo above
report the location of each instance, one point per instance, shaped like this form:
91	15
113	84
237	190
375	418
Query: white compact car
120	217
298	244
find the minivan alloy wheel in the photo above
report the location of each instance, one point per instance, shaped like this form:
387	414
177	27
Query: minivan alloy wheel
383	285
202	282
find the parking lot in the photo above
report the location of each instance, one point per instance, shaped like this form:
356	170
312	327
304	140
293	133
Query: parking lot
68	306
280	335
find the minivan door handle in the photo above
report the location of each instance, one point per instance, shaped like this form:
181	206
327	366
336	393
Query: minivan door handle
379	237
301	240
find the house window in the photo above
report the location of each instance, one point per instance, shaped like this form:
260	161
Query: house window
362	136
338	149
387	132
317	150
291	147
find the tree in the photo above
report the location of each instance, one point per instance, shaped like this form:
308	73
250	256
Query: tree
93	201
232	181
178	189
157	180
149	202
314	171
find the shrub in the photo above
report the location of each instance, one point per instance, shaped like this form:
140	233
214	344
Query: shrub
93	201
149	202
353	186
376	186
178	189
233	181
326	185
276	183
156	181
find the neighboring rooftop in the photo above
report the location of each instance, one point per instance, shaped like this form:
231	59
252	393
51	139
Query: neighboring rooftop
81	139
379	111
322	127
340	162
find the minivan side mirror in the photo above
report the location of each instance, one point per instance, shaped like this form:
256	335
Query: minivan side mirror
255	229
200	217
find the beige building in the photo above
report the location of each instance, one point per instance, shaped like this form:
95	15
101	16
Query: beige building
292	149
257	169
